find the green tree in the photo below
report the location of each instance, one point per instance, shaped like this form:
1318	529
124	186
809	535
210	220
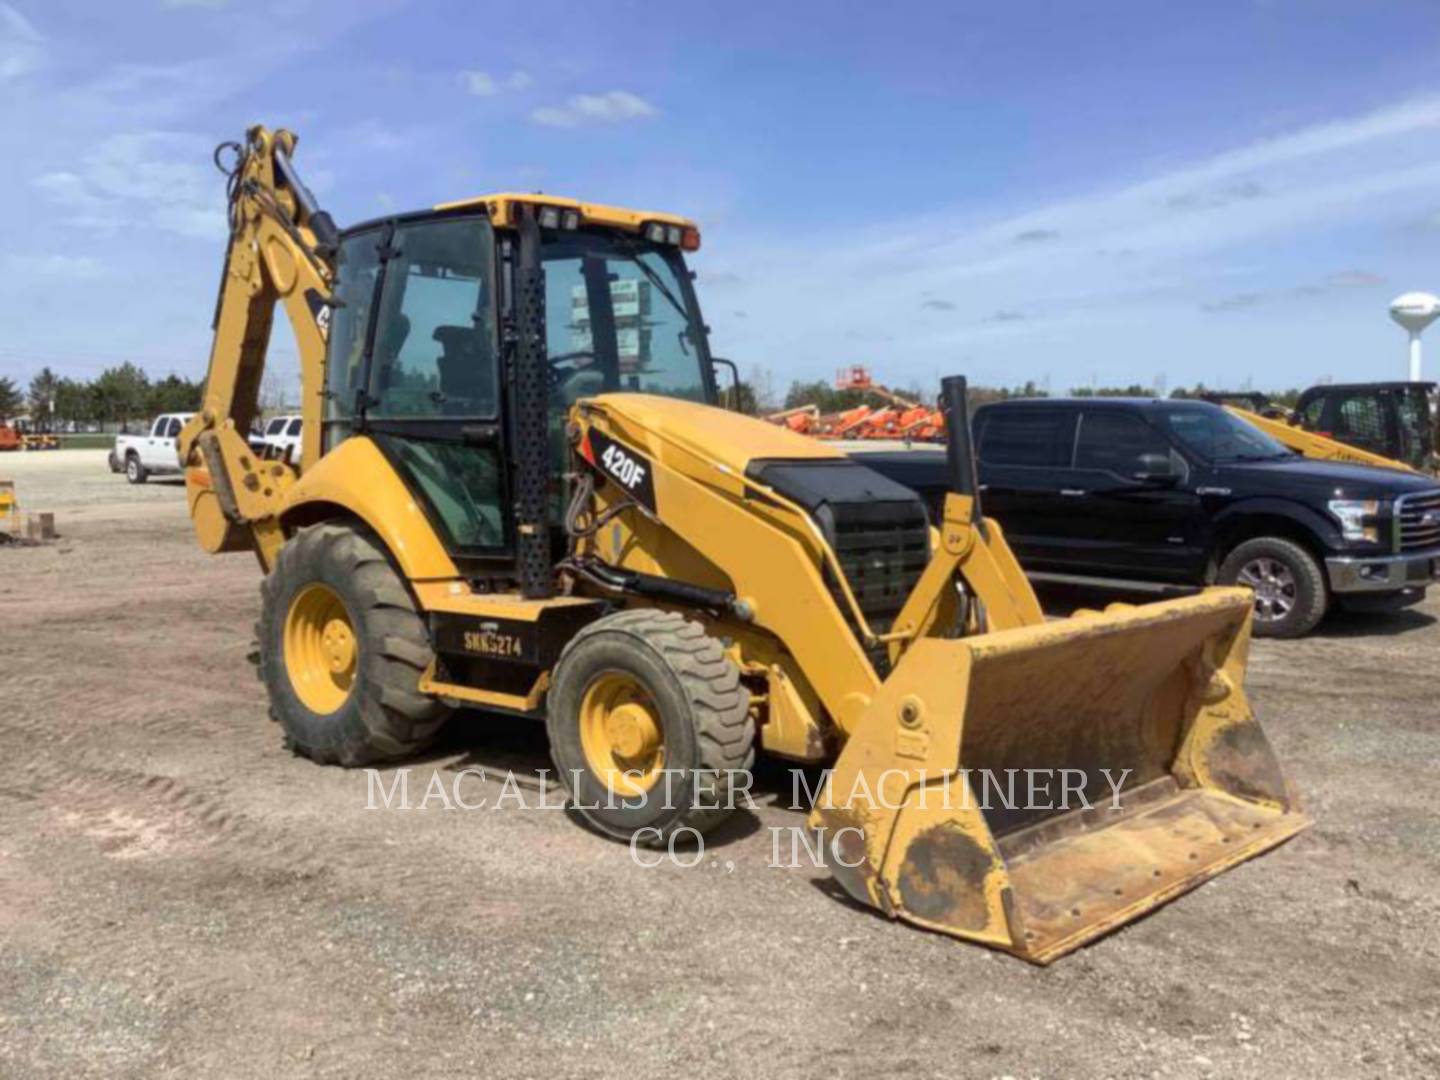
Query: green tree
741	398
123	394
73	402
174	394
42	399
11	401
1133	390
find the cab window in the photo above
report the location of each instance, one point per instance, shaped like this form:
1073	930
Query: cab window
359	266
1116	442
435	342
617	317
1034	438
1361	417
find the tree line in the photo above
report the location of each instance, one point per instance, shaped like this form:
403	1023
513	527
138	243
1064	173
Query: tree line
121	395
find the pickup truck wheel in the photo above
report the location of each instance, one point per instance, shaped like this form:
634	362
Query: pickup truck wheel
342	650
134	471
114	462
1289	586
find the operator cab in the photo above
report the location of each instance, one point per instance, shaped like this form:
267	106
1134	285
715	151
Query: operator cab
424	346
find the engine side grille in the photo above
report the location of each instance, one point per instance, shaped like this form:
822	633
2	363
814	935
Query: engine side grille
878	530
1418	518
882	564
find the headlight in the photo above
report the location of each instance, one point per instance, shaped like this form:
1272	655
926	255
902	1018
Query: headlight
1357	518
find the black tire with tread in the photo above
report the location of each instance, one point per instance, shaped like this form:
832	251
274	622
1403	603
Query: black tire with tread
705	713
386	717
1312	594
135	472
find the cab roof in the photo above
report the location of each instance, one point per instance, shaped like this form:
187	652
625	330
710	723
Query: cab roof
501	208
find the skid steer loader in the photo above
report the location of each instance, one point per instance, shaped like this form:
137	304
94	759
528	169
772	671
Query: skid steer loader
515	492
1387	425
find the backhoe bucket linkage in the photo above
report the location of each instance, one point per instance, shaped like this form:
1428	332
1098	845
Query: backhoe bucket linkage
1035	788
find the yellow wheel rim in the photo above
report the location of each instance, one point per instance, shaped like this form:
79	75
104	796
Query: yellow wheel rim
621	734
320	648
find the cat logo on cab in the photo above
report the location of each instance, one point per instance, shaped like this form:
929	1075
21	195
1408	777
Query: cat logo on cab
629	468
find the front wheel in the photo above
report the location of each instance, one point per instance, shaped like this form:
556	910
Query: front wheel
342	649
649	725
1289	586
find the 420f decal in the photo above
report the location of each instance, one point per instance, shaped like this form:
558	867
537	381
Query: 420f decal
629	468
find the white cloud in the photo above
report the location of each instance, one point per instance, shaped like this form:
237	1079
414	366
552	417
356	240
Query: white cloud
483	84
54	265
373	135
1229	232
154	179
22	49
608	108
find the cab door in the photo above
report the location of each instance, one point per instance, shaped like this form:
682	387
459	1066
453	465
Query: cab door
1359	418
420	376
1126	520
153	454
1024	452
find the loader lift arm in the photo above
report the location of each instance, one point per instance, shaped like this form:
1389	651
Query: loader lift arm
281	250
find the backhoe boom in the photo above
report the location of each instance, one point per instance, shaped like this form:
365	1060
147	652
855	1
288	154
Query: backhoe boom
281	250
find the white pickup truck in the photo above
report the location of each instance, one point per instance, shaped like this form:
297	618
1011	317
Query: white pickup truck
141	456
279	439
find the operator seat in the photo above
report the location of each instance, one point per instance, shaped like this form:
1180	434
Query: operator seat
467	368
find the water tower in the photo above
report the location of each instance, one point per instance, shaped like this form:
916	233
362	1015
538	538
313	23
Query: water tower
1415	311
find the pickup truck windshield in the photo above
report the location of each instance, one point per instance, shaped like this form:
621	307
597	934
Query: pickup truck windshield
1219	436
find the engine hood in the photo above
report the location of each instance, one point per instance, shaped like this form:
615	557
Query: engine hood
1337	478
727	438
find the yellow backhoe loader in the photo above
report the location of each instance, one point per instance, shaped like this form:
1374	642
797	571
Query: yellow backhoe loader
515	491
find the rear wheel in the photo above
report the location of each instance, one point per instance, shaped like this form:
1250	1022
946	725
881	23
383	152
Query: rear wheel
134	471
649	725
342	649
1289	586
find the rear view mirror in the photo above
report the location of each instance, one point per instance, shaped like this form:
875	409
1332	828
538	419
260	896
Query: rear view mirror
728	399
1157	469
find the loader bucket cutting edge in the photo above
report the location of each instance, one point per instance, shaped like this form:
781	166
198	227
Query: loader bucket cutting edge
1150	776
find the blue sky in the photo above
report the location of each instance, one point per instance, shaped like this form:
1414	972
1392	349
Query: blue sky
1086	191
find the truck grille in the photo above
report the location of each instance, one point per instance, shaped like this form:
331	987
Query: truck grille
1418	519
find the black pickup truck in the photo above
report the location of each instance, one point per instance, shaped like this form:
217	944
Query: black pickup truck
1121	491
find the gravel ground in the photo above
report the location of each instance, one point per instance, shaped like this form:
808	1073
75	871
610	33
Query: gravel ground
179	896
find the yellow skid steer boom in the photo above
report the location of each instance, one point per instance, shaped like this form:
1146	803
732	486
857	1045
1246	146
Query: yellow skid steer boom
1312	444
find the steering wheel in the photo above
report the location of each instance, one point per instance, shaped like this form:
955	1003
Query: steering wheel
571	357
560	374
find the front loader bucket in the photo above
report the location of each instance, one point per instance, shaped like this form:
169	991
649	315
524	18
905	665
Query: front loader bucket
1033	789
